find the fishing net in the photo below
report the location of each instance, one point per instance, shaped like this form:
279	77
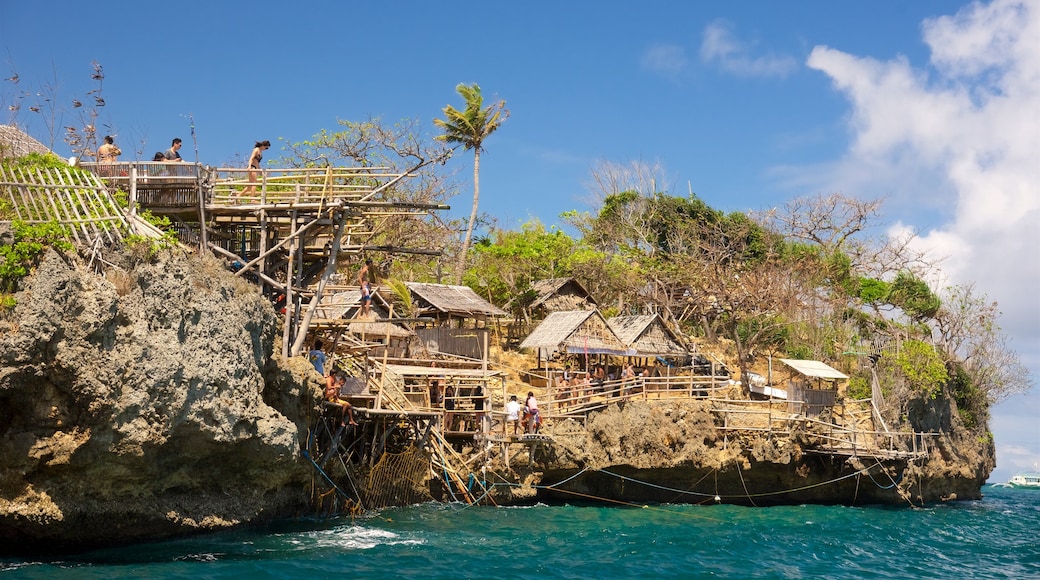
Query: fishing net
398	479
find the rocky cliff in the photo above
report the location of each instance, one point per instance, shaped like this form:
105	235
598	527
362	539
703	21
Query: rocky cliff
673	451
144	403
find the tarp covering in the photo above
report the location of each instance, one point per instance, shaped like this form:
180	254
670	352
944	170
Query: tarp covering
814	368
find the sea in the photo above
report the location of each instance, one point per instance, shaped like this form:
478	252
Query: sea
996	537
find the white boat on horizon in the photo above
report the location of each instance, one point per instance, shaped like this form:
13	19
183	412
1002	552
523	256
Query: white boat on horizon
1024	480
1030	480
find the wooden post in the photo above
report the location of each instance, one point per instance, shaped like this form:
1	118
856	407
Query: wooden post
289	301
301	332
203	236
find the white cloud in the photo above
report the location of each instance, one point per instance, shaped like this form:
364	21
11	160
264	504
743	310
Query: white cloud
733	56
972	128
665	59
961	139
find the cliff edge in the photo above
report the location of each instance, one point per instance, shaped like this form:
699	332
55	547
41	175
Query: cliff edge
144	404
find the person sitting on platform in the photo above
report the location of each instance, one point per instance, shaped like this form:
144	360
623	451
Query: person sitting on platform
333	385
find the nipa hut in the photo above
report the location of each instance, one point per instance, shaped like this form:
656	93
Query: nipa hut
560	294
812	386
461	319
575	332
648	335
345	305
16	143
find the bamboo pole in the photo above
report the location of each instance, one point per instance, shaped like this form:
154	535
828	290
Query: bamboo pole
301	332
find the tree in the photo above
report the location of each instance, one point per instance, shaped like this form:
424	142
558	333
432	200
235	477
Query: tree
469	128
969	336
401	147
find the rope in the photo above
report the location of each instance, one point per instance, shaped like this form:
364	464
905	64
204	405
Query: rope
744	485
748	495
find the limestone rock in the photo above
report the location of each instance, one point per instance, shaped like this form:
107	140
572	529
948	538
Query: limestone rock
145	404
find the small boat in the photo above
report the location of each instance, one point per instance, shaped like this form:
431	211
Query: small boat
1024	480
1029	480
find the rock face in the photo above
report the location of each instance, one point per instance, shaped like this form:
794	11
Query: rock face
145	404
672	451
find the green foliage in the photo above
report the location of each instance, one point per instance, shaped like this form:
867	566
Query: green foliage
474	123
506	263
800	351
30	241
872	290
146	249
859	388
38	161
924	370
914	296
972	403
771	332
402	297
7	302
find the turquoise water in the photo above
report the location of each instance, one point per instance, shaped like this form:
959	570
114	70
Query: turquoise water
996	537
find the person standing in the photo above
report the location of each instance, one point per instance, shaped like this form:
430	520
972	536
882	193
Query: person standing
108	153
173	153
532	419
513	413
366	277
254	165
317	357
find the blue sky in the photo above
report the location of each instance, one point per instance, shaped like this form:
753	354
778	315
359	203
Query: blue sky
933	105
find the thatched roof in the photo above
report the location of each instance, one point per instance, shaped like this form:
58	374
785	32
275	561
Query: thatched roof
453	300
346	304
580	331
562	294
16	143
648	334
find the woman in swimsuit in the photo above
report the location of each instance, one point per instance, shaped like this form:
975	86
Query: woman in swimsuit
254	165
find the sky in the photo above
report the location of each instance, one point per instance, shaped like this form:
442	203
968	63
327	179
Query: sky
932	105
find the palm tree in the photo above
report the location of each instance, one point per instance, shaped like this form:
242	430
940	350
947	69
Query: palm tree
469	128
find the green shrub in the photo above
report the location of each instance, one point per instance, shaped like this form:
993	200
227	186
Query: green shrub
859	388
30	241
922	367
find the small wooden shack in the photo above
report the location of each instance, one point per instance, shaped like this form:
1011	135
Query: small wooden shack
340	310
812	386
559	295
461	319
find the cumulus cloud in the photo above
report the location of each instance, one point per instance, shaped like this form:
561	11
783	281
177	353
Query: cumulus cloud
668	60
722	47
955	147
968	125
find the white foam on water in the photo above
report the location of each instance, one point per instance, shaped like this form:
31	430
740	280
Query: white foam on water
355	537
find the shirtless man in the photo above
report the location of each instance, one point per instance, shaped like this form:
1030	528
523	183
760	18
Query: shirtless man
366	276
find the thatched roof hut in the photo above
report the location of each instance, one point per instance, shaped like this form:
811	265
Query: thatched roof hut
648	335
576	331
444	302
16	143
561	294
346	304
